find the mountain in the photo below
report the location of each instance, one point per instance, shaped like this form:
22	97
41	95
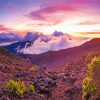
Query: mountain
52	59
11	65
15	47
55	59
11	60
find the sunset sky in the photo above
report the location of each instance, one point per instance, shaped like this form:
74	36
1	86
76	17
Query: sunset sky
75	17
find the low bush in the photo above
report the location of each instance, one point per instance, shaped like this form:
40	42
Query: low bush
18	86
31	88
91	84
88	87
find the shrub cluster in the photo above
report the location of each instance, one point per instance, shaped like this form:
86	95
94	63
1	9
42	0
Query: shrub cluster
88	88
19	87
91	84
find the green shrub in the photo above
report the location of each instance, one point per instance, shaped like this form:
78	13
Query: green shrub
31	88
11	85
88	87
94	72
93	65
89	56
91	84
18	86
21	87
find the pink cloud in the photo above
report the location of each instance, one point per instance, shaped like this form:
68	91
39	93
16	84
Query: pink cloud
4	28
45	13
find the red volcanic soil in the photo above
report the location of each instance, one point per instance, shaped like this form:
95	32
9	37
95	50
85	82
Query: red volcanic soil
58	85
55	59
11	64
63	83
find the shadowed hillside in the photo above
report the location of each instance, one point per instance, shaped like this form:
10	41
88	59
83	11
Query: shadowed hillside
55	59
10	65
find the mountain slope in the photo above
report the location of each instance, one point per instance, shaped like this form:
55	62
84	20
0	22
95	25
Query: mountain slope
64	83
55	85
59	58
10	65
15	47
48	85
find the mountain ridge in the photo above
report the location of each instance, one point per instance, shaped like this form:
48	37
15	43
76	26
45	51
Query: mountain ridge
67	55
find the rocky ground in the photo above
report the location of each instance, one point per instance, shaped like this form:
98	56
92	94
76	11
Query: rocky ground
61	84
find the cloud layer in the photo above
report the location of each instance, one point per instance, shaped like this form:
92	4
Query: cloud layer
46	16
54	42
9	37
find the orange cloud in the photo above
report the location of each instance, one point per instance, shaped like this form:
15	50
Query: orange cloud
90	33
89	22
